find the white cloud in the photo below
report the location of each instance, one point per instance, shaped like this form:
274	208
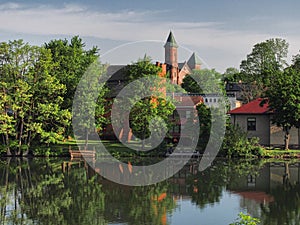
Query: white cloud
9	6
72	19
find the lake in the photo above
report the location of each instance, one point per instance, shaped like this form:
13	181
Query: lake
57	191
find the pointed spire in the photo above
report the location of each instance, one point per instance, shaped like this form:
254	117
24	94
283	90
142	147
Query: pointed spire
171	40
194	61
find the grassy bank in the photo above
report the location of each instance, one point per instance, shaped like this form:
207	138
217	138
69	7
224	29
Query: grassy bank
280	153
118	150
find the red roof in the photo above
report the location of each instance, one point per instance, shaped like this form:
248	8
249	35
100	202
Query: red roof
253	107
258	196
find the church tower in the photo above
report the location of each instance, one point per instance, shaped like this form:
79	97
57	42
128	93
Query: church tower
194	62
171	58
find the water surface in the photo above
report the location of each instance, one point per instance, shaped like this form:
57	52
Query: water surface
57	191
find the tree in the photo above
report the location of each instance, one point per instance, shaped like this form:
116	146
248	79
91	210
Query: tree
31	97
204	115
283	99
231	74
89	103
209	82
154	104
265	60
71	61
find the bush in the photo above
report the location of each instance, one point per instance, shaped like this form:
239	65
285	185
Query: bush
245	219
237	144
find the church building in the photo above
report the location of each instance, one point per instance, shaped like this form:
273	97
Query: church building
176	70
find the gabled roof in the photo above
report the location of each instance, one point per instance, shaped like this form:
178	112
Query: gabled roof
171	40
253	107
116	72
184	67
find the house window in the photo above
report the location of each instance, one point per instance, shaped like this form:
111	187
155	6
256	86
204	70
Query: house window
251	123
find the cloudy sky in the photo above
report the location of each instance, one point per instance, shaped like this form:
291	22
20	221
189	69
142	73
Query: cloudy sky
221	32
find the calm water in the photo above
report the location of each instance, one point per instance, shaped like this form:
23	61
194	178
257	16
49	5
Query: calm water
46	191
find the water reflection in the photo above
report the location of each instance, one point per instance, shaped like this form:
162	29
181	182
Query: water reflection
57	191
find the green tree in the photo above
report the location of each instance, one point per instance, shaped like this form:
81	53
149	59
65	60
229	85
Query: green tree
231	74
204	115
209	82
6	120
265	60
154	106
90	103
283	99
31	97
71	62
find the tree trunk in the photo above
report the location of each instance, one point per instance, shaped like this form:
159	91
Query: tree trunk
86	139
287	138
8	152
20	137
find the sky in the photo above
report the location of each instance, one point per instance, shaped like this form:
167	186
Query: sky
221	32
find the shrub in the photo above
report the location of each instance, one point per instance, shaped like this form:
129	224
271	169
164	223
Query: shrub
237	144
245	219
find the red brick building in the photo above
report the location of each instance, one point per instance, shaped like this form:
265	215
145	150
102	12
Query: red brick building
177	71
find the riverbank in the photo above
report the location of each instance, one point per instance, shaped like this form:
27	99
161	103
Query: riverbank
118	150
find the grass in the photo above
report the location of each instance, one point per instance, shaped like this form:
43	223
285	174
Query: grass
115	148
280	153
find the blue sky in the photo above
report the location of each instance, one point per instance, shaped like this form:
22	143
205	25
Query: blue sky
221	32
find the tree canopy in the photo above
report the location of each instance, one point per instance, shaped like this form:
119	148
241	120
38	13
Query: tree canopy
37	85
284	98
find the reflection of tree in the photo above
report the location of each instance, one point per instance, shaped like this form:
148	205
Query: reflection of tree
139	205
206	187
43	195
60	199
12	185
37	192
286	206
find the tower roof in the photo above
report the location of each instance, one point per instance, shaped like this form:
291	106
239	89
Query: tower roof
171	40
194	60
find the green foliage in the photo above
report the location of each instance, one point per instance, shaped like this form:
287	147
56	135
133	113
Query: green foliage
89	108
257	71
37	85
245	219
237	144
207	81
231	74
204	115
157	106
266	58
283	100
31	104
71	60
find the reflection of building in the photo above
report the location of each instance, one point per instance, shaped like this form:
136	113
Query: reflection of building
255	119
272	175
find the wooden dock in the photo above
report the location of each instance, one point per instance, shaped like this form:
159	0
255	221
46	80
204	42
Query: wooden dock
79	154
